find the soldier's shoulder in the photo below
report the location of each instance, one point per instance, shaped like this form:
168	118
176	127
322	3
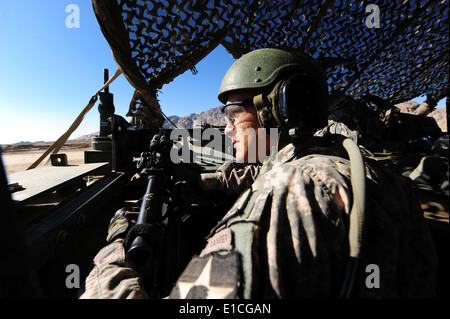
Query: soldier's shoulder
327	170
328	164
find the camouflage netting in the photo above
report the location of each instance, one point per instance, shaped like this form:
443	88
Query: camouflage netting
407	56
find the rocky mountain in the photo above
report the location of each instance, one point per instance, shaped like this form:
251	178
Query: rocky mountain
86	137
439	114
212	117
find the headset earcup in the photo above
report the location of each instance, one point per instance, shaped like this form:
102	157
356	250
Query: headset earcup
296	105
288	103
292	106
264	107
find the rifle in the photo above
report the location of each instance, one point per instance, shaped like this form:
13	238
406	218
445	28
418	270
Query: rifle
145	238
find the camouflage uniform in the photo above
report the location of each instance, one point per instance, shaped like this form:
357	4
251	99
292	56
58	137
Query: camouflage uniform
231	178
111	278
287	237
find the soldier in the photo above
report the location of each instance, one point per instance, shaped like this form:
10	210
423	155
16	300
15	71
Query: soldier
292	231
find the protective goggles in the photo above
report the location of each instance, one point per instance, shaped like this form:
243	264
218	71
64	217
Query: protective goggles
235	110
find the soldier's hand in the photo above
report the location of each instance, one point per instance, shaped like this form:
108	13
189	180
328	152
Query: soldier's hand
121	223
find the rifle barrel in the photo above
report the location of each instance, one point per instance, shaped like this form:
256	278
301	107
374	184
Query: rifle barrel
141	250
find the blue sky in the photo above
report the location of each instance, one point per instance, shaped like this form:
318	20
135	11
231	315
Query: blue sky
48	73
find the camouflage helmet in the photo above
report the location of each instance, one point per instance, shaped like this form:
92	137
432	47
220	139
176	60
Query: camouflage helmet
264	70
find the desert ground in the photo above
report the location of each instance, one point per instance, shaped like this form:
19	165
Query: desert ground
19	156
